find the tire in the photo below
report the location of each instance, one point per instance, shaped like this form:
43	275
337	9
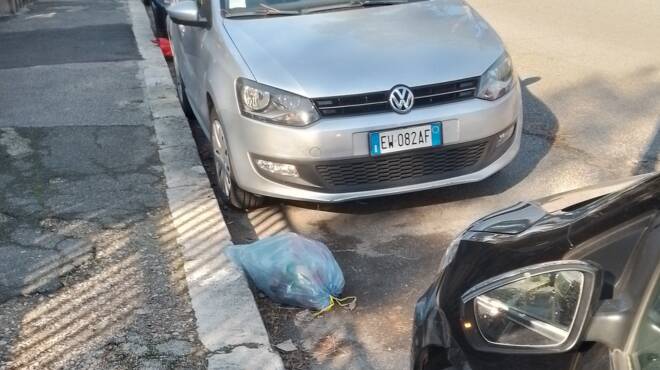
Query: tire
230	193
181	93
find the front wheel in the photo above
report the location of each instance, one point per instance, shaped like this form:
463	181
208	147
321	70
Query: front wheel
230	192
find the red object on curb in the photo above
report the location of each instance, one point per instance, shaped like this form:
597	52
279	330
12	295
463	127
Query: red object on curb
164	45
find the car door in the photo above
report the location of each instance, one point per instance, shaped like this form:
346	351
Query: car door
191	65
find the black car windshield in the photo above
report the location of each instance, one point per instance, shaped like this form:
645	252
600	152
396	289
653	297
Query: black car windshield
257	8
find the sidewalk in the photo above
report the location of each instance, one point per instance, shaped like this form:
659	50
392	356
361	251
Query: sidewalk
92	273
89	275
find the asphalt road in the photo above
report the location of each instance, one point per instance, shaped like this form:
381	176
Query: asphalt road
591	76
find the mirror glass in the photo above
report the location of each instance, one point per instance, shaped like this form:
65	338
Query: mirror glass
537	310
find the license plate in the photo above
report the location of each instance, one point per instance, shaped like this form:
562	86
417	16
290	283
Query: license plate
407	138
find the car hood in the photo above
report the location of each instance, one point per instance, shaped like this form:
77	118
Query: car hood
366	49
570	199
521	216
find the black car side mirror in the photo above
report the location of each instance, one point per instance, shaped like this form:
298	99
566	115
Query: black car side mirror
186	13
542	308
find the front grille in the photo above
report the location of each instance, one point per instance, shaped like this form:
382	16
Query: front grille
401	167
377	102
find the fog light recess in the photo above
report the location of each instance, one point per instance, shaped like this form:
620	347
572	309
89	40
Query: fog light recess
283	169
505	135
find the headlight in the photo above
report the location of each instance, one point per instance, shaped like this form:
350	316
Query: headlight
498	79
273	105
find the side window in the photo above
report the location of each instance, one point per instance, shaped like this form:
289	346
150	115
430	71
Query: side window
204	7
647	340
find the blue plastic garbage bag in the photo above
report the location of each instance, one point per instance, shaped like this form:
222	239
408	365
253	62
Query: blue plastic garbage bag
291	270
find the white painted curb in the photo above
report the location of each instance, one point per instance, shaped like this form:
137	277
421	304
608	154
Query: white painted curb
228	321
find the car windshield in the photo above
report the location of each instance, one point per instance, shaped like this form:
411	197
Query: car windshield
258	8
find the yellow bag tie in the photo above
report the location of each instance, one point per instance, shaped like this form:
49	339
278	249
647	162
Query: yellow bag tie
341	302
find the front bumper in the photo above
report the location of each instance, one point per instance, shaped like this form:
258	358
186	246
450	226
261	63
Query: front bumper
433	346
340	145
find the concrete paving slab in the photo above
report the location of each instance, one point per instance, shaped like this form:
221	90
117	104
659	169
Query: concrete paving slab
26	271
31	237
51	15
86	44
182	167
94	149
72	94
111	177
173	131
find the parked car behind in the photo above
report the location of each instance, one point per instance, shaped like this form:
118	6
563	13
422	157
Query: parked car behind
331	100
571	281
159	10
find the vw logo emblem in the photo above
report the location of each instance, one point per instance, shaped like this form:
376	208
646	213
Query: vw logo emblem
402	99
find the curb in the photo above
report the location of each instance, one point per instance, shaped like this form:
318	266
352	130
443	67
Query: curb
228	322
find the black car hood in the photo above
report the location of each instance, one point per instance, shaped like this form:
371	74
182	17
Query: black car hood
521	216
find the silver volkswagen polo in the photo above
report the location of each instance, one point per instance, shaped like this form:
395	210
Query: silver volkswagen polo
331	100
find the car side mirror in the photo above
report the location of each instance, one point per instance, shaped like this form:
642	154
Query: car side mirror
186	13
542	308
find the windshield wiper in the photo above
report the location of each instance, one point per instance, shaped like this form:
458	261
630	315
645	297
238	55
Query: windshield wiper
262	11
353	4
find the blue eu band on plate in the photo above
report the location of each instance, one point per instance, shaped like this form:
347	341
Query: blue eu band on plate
407	138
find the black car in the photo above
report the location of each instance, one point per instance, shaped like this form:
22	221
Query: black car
159	10
566	282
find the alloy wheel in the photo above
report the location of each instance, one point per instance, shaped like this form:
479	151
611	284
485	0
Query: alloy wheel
221	158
